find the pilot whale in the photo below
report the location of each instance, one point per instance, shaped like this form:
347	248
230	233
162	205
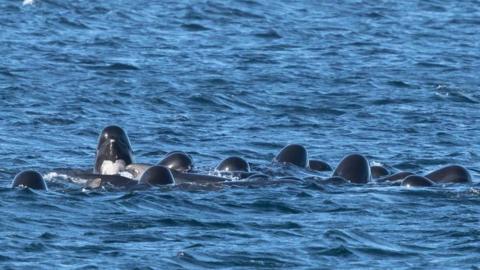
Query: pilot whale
354	168
177	160
294	154
114	151
30	179
450	174
297	155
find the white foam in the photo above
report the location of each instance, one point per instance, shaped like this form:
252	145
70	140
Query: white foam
227	175
375	163
28	2
52	175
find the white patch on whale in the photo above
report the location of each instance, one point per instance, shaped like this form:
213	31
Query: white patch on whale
111	168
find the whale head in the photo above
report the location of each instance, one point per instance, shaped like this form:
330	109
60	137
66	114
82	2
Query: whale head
114	151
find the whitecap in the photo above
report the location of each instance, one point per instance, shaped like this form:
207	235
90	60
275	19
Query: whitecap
28	2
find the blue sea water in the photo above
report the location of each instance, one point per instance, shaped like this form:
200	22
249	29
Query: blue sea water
397	81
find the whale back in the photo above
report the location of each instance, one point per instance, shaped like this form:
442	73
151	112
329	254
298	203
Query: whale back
294	154
354	168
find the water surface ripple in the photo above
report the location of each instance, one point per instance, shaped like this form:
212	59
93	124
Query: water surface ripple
395	80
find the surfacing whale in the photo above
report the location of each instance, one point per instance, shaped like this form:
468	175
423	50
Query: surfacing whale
233	164
178	161
378	171
114	151
294	154
30	179
417	181
450	174
354	168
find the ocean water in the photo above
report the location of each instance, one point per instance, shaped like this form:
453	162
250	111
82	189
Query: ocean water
397	81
